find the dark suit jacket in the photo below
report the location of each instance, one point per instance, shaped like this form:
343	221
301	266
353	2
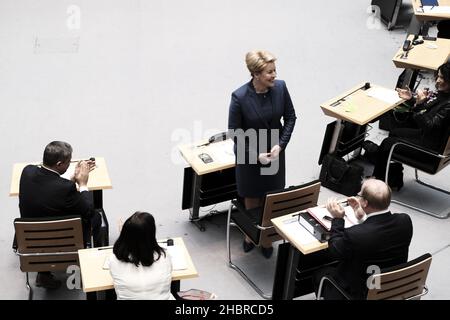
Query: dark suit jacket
44	193
245	113
381	240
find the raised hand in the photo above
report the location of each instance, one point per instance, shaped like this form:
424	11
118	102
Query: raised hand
405	94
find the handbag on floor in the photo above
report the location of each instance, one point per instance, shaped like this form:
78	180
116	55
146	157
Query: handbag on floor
340	176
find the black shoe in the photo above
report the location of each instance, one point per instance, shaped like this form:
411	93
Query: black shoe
247	246
267	252
47	280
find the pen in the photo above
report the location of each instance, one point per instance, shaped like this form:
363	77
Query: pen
344	203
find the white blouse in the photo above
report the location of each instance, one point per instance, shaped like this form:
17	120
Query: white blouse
142	283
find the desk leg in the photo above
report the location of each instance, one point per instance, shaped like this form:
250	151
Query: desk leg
175	288
291	270
336	136
98	199
194	211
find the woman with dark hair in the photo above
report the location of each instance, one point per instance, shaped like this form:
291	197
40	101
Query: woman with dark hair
140	268
427	127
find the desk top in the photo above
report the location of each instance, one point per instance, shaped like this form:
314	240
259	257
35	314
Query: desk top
290	230
436	15
221	153
358	107
98	178
95	278
429	55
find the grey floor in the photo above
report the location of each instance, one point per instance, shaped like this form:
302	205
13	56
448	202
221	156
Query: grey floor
138	78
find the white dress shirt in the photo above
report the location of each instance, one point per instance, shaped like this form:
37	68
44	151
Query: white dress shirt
142	283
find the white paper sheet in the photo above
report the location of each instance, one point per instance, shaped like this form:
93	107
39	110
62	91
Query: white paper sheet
294	230
178	258
436	9
383	94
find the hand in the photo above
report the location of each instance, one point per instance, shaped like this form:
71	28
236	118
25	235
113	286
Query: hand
356	206
265	158
335	208
404	94
275	151
91	164
82	173
421	96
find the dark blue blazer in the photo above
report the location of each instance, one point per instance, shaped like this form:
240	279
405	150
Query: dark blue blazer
245	113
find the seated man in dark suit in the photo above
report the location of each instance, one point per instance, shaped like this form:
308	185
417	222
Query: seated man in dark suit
427	127
382	240
43	193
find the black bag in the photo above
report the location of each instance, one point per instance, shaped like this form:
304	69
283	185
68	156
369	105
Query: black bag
338	175
395	179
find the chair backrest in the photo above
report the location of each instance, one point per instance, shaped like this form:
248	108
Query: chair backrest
401	282
287	201
47	245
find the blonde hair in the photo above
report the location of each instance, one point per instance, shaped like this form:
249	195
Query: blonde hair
257	60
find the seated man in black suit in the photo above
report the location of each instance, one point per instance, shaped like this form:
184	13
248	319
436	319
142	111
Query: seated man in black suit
43	193
382	239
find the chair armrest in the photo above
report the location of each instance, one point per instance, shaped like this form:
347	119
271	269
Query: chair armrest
334	283
411	146
417	147
424	292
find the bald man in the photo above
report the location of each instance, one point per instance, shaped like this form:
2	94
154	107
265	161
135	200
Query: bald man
381	241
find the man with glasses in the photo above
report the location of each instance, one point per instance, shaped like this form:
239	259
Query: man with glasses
381	241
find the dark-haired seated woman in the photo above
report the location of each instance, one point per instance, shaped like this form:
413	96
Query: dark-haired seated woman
140	268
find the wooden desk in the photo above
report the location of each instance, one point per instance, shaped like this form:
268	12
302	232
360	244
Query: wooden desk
207	183
95	278
221	153
422	56
354	106
98	178
428	16
358	107
309	253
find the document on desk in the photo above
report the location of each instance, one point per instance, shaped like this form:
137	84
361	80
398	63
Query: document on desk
178	257
223	152
323	216
386	95
294	230
436	9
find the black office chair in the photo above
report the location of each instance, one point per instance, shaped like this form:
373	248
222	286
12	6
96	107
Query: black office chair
406	281
256	223
430	162
47	244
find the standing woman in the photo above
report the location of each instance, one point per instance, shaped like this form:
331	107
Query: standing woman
140	268
255	112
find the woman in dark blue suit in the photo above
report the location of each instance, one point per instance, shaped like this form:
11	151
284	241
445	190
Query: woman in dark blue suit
256	110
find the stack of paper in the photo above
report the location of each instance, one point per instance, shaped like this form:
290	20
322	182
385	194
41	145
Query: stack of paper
178	257
319	213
